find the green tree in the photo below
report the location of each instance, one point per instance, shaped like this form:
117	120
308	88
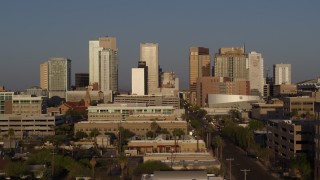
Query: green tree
155	128
122	160
149	134
81	135
94	132
255	125
301	166
218	144
177	132
149	167
124	135
16	169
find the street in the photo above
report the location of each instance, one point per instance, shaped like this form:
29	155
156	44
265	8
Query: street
241	162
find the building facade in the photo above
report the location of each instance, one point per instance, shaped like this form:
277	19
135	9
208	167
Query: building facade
56	73
219	85
199	66
150	100
103	64
298	106
138	81
98	113
44	76
5	98
231	62
24	125
255	65
81	80
149	54
282	74
140	128
288	138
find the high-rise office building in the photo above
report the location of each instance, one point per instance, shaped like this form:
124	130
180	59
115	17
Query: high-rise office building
282	74
149	54
81	80
199	66
231	62
44	76
103	63
56	73
255	65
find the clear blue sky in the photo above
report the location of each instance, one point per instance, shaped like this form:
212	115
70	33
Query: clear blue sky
285	31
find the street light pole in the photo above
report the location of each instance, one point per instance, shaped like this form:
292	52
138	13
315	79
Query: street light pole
230	159
245	173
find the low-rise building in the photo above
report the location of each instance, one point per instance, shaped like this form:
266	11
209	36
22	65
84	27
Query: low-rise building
161	145
26	125
288	138
149	100
112	112
297	106
262	111
138	127
284	90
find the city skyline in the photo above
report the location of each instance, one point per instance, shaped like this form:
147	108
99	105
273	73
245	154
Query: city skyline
287	35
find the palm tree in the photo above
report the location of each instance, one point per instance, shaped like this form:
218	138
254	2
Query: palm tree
122	160
218	144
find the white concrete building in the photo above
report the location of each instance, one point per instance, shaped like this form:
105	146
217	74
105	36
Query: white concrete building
282	74
138	81
103	63
255	66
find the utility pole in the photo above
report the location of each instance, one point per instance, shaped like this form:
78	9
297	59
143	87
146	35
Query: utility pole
230	159
245	173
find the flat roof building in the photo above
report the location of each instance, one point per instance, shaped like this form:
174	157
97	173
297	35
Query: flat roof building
288	138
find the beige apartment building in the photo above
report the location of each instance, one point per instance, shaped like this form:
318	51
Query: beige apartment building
287	138
150	100
262	111
161	145
219	85
138	127
25	125
298	106
199	66
44	76
284	89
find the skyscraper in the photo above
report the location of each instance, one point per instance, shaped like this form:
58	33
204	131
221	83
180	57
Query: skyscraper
103	63
199	66
282	74
57	72
231	62
44	76
81	80
255	65
149	54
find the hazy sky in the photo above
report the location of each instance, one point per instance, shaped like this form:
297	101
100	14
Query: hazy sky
286	31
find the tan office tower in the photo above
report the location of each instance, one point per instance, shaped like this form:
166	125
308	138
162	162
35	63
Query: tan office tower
149	54
44	75
231	62
199	66
103	64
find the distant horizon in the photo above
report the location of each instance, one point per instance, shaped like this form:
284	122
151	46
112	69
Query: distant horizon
282	31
